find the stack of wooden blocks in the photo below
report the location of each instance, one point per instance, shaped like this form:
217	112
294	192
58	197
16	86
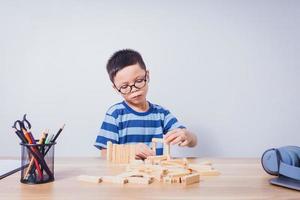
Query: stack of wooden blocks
120	153
160	168
125	153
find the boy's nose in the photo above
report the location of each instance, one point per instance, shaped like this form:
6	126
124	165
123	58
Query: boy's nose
133	89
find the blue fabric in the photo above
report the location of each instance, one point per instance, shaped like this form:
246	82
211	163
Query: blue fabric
123	125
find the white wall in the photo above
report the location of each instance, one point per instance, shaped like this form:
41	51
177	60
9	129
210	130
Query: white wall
229	70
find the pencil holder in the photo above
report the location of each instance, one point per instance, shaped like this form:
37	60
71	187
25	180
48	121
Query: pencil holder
38	163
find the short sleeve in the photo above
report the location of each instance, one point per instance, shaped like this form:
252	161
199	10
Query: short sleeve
109	131
170	122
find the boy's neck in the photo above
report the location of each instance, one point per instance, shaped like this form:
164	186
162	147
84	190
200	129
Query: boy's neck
142	107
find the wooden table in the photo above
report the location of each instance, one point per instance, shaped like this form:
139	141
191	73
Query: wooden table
239	179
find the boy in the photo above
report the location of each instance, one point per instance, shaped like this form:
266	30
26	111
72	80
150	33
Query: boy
135	120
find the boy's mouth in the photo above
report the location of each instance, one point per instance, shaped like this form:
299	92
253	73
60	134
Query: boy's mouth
136	96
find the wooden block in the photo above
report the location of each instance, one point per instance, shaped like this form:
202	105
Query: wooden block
155	159
151	171
109	151
114	179
176	179
154	176
148	161
182	162
162	157
139	180
117	154
124	159
132	152
167	151
157	177
167	180
149	168
121	153
179	174
120	148
125	154
129	154
91	179
154	147
164	172
136	162
114	149
178	170
185	161
160	140
190	179
168	163
200	167
137	174
131	174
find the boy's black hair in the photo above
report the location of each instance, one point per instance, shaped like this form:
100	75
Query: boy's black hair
122	59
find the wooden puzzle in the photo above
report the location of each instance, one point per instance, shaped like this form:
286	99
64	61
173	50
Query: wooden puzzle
161	168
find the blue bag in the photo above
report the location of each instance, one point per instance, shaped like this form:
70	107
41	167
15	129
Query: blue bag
283	162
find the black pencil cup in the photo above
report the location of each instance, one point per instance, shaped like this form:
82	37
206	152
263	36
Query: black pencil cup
37	163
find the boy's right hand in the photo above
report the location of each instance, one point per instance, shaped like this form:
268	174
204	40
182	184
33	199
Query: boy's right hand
142	151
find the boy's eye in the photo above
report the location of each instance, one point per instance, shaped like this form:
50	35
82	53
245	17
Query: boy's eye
139	80
124	86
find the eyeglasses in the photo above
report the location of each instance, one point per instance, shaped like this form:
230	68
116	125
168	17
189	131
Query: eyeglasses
138	84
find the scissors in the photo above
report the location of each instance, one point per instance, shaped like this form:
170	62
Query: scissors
19	125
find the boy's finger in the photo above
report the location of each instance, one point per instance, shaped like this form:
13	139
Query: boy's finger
171	133
171	137
138	157
177	140
142	155
146	151
174	137
149	152
184	143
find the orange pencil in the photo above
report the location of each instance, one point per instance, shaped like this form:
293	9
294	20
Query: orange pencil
31	140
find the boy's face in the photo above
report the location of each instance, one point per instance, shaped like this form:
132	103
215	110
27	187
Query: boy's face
125	80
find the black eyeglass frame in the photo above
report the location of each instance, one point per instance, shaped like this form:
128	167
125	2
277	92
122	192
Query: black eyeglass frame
133	85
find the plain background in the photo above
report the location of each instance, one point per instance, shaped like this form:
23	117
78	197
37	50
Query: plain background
229	70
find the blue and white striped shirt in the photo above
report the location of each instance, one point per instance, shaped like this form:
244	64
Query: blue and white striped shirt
123	125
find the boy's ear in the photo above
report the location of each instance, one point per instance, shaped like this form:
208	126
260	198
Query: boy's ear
148	76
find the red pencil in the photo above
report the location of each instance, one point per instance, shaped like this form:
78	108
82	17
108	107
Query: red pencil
31	140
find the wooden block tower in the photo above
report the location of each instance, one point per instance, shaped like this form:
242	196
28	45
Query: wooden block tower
124	153
120	153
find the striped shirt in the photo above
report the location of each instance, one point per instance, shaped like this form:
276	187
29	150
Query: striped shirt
123	125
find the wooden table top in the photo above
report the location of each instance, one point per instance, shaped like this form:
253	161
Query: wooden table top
239	179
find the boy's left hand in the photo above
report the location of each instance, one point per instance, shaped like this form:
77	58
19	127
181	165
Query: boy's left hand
180	136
